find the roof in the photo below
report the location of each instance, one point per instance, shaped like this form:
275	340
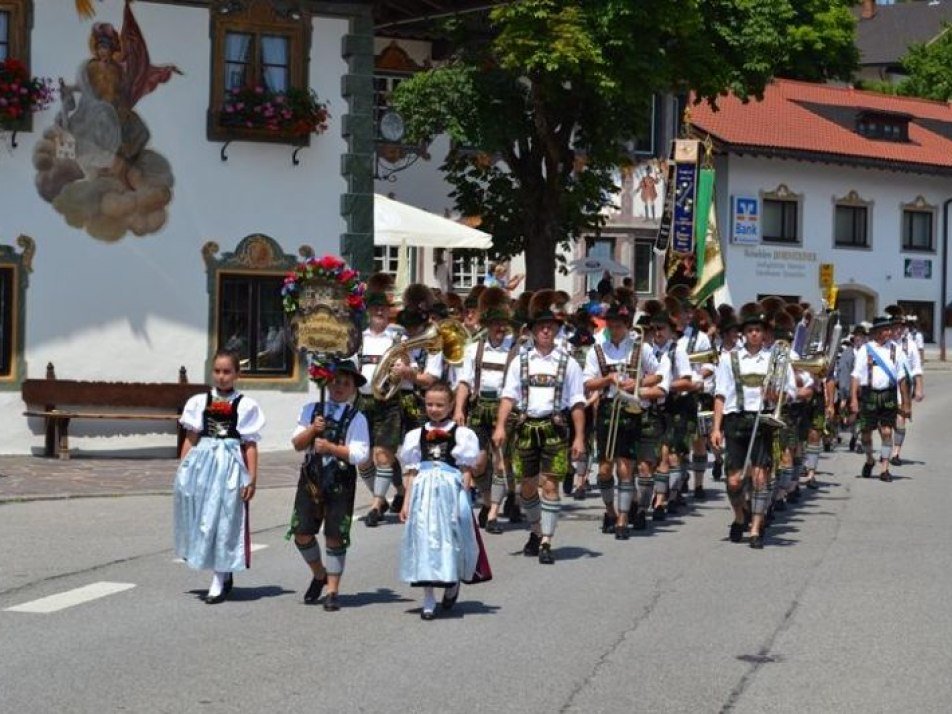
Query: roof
817	121
884	38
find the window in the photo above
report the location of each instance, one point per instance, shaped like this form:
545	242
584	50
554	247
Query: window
925	316
469	270
644	266
883	126
7	317
850	229
15	269
251	322
387	260
15	16
917	230
604	248
780	221
255	45
384	84
4	34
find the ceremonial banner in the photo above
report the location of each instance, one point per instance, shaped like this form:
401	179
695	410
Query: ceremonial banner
709	261
685	195
667	214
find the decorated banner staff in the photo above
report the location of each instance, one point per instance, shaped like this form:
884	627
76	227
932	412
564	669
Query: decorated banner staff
324	300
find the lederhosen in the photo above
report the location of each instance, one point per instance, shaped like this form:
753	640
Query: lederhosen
739	426
681	409
542	443
412	406
484	404
434	448
383	417
220	418
628	423
326	487
878	407
796	415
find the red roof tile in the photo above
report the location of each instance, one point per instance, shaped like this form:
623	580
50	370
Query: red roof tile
801	117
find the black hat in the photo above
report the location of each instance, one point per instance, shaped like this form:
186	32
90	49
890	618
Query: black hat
346	366
782	325
494	306
727	321
860	328
752	313
620	311
542	308
376	292
661	319
880	322
410	317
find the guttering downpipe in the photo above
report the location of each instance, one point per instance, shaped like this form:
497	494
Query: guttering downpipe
945	278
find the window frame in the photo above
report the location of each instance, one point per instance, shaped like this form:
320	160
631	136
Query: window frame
474	266
392	256
786	204
254	279
652	265
257	256
17	266
592	279
918	206
781	193
853	201
19	34
258	19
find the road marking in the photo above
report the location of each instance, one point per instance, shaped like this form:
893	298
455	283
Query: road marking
255	547
61	601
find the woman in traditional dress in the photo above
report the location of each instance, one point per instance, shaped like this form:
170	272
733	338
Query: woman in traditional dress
216	478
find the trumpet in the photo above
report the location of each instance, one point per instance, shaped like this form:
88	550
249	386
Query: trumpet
711	356
625	401
448	337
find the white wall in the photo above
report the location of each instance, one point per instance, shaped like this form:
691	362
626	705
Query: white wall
881	268
137	309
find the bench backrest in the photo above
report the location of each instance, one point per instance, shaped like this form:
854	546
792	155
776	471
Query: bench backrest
65	392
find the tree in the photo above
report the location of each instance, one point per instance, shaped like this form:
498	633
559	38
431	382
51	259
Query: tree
539	113
929	69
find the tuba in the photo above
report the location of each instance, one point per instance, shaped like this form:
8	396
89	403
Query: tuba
448	336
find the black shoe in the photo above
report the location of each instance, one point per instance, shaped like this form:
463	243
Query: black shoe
313	593
427	615
780	506
483	516
867	470
580	493
699	493
639	522
567	482
373	518
515	514
448	601
676	503
508	504
659	513
608	524
737	532
219	598
531	548
331	603
895	461
794	495
545	554
812	484
852	443
396	505
717	470
229	583
632	510
493	527
757	542
885	476
621	532
684	486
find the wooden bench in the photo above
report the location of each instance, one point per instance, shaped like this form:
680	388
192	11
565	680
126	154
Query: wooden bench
62	401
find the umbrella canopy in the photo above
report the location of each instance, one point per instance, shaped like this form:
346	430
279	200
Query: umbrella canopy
398	224
585	266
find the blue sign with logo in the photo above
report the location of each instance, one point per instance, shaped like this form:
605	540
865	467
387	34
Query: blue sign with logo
746	228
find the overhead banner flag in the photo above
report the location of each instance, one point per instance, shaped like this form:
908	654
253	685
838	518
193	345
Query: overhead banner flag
709	262
686	153
667	213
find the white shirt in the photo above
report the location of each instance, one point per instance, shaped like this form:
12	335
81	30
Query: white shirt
492	374
881	379
373	346
681	367
250	416
910	352
620	354
541	398
701	344
357	439
748	364
465	452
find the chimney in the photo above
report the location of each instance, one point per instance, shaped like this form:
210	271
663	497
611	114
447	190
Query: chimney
869	9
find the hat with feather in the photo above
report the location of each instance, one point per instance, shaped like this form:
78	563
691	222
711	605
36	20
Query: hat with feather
752	313
520	312
543	308
472	300
417	306
376	291
494	306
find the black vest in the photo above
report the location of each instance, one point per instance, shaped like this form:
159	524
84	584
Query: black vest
220	418
434	447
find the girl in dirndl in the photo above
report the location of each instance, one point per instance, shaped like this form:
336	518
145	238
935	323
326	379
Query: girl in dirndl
440	546
216	478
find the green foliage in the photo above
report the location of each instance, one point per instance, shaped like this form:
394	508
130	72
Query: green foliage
929	69
539	114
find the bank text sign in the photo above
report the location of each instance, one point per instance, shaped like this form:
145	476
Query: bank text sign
746	225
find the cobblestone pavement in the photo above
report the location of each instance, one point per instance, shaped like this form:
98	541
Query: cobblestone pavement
28	478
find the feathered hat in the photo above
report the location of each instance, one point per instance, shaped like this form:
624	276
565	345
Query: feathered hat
752	313
782	325
494	306
542	307
417	306
376	292
472	300
726	318
622	306
520	313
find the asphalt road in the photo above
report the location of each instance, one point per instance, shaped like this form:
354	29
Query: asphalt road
843	611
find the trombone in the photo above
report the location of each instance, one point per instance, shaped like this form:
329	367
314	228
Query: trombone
774	381
627	402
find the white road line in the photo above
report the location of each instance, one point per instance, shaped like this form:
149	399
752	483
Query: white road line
255	547
61	601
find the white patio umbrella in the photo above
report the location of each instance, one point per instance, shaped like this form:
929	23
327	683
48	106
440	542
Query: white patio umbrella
584	266
397	223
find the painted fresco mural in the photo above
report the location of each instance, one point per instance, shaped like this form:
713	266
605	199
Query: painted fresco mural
641	188
93	164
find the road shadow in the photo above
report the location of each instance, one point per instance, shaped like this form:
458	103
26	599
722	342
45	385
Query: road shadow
380	596
461	609
247	594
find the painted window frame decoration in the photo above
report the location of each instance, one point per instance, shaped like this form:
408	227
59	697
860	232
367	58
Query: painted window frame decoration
259	18
782	194
919	207
256	256
19	31
16	268
853	202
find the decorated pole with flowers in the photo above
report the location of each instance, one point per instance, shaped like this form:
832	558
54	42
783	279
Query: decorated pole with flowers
324	301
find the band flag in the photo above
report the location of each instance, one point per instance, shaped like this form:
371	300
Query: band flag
709	261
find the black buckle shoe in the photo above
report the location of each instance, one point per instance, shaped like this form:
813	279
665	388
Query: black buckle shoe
579	493
717	470
373	518
608	524
867	470
757	542
885	476
639	522
812	484
659	513
493	526
219	598
313	593
621	532
699	493
448	601
531	548
331	603
736	533
545	554
396	506
895	461
427	615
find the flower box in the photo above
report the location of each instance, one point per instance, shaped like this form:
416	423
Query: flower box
258	114
21	95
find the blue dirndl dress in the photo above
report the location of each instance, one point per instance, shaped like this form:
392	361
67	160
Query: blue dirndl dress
210	519
439	545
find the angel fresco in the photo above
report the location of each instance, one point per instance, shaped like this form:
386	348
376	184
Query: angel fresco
93	164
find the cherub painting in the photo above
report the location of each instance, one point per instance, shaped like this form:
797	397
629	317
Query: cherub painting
93	164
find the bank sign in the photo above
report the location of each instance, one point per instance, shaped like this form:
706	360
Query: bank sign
746	225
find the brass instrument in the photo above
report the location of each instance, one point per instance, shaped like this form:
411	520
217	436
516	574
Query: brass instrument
625	401
821	345
448	336
776	381
711	356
